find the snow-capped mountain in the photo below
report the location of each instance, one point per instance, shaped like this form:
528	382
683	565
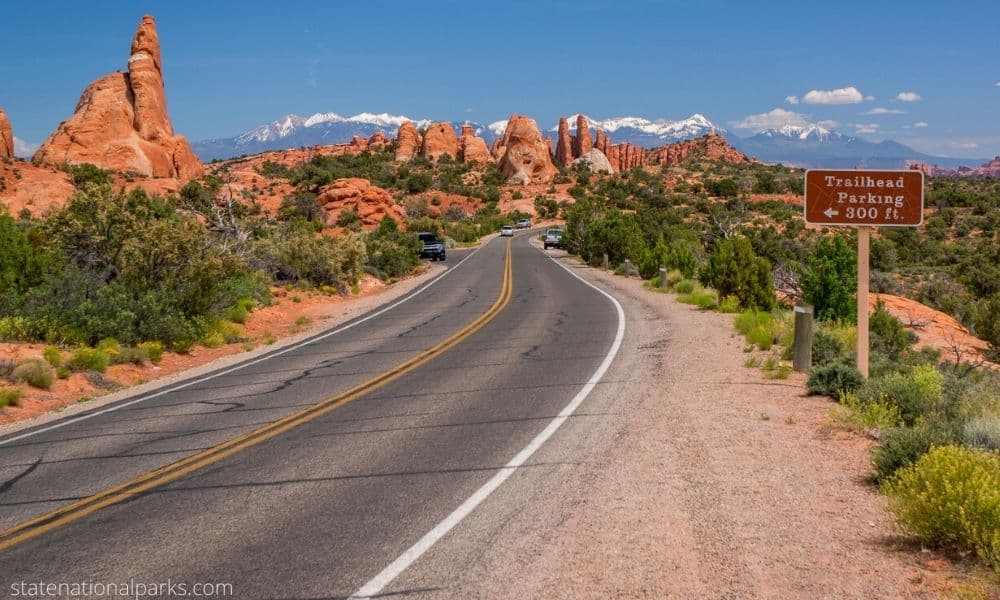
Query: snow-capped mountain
648	133
816	146
293	131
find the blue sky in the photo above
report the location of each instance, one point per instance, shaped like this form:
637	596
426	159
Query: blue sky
230	66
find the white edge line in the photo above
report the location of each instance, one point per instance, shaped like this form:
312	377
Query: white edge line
302	344
414	552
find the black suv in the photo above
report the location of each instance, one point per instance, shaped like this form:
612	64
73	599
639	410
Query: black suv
433	246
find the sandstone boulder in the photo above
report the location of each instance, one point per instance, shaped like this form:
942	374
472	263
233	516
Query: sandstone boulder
526	156
121	121
6	137
472	148
596	160
564	144
439	140
377	142
407	142
370	202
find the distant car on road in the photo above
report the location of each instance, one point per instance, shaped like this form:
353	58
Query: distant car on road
506	231
523	223
552	238
433	246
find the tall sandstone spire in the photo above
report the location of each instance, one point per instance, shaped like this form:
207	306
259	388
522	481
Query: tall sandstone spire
6	137
564	144
121	121
583	142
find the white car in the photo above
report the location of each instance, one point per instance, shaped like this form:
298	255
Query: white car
506	231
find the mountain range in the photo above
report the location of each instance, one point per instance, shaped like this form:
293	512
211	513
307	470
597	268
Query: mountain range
809	146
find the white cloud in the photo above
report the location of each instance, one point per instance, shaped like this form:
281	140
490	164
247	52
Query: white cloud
964	145
23	149
997	84
828	124
869	98
468	110
866	127
795	99
908	97
847	95
771	120
920	124
884	111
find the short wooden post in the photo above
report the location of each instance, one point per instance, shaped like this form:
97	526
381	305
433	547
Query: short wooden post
864	245
628	268
802	346
606	262
663	277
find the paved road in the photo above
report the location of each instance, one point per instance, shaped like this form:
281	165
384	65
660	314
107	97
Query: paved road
319	510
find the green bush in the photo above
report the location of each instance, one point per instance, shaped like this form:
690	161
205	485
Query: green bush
10	397
729	304
758	327
918	394
129	354
734	270
53	356
982	433
685	286
951	498
154	350
832	346
888	335
833	380
238	313
294	254
36	373
902	447
702	298
89	359
870	415
831	279
86	173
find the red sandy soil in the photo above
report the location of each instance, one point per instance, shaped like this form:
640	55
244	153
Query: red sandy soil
277	320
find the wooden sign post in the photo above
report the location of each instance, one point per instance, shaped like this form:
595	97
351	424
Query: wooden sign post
864	199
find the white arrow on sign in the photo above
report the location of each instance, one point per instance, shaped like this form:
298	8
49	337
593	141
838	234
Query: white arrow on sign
830	213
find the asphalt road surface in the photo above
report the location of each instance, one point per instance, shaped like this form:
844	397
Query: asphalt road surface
322	506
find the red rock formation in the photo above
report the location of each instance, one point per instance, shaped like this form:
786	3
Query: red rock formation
121	121
582	143
472	148
358	195
564	144
377	142
439	139
526	157
407	142
708	147
629	156
6	137
602	142
989	169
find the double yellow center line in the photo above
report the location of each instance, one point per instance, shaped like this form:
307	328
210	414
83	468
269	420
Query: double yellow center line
166	474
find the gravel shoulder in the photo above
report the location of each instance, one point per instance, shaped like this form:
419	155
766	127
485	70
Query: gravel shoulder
697	478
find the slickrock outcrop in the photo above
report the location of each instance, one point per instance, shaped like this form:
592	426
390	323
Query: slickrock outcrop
121	121
439	139
582	143
708	147
596	160
472	148
6	137
357	194
564	143
989	169
526	156
407	142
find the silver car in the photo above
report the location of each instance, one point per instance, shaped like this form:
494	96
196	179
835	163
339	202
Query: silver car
506	231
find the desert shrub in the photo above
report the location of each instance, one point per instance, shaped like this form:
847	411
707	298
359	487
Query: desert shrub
831	279
616	234
109	346
153	349
870	415
16	329
221	332
834	342
36	373
86	173
729	304
88	359
390	252
240	312
833	380
52	355
700	297
951	498
887	333
734	270
296	254
981	399
918	394
902	447
758	327
10	397
685	286
982	433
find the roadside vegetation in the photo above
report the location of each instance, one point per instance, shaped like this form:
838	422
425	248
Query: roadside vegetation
935	417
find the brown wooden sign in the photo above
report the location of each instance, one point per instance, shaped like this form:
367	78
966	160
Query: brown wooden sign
865	198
